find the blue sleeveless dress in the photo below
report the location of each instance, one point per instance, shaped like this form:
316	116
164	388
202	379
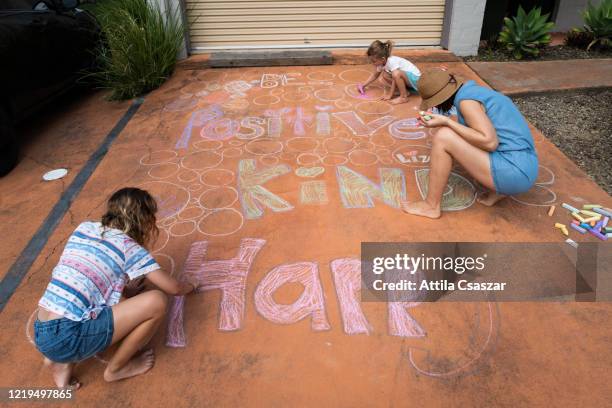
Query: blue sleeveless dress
514	164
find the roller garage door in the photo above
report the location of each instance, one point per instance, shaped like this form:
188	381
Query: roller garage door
217	24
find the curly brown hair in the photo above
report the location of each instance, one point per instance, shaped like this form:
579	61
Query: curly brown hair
379	49
132	211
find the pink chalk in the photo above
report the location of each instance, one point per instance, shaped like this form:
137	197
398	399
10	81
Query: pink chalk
361	90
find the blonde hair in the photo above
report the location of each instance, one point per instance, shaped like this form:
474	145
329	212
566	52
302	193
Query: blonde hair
132	211
379	49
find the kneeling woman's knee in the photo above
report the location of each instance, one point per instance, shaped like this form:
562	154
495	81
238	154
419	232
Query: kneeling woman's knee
442	136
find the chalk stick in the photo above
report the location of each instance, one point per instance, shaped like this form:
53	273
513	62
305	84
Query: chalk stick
564	230
603	212
569	208
551	210
590	219
591	206
577	216
422	113
608	230
576	222
609	235
591	213
361	90
598	225
572	242
585	226
579	229
598	235
604	222
559	225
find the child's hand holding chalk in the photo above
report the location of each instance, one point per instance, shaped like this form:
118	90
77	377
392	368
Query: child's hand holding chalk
361	89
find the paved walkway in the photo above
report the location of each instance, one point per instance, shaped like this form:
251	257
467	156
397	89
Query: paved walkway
513	78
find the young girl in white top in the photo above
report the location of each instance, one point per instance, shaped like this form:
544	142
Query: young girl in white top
397	72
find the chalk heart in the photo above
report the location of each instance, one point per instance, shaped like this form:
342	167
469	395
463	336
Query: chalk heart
459	194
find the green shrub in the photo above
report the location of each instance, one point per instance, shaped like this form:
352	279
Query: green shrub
598	23
526	33
140	49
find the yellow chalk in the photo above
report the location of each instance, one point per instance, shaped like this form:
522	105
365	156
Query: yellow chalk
591	219
591	213
559	225
551	211
591	206
577	216
565	231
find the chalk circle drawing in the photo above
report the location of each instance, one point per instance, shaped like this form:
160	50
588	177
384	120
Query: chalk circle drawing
338	144
220	129
157	157
182	228
218	197
385	160
295	96
236	105
320	76
538	195
187	176
362	158
264	147
372	93
277	91
462	195
342	104
355	75
302	144
366	145
406	129
231	152
288	156
374	108
313	192
328	94
383	151
162	240
305	89
545	176
180	104
164	170
309	172
412	155
217	177
236	143
265	100
270	160
308	159
191	213
221	222
167	222
201	160
194	187
470	365
171	198
208	145
334	160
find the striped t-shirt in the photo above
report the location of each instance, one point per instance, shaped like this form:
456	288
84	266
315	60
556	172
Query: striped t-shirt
93	271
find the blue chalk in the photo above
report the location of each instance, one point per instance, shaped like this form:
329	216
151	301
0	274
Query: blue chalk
602	212
570	208
579	229
585	226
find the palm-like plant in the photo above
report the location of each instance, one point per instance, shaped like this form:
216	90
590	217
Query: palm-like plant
598	23
526	33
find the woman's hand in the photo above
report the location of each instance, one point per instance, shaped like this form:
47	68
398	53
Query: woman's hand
435	121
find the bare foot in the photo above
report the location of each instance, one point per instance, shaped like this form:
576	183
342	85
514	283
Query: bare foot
490	198
62	374
399	99
421	208
139	364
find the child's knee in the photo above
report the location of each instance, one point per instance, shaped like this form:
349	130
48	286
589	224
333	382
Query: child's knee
158	301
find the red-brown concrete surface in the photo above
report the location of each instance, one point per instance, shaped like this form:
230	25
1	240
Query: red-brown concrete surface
472	354
514	78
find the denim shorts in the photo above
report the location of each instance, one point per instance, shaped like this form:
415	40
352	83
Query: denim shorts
514	172
67	341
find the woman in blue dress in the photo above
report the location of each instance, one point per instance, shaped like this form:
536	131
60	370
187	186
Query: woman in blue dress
491	141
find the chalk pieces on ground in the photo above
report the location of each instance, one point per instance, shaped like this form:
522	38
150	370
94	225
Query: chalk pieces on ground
569	208
551	211
572	242
603	212
579	229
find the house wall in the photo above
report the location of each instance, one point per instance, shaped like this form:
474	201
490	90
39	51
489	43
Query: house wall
569	14
462	26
